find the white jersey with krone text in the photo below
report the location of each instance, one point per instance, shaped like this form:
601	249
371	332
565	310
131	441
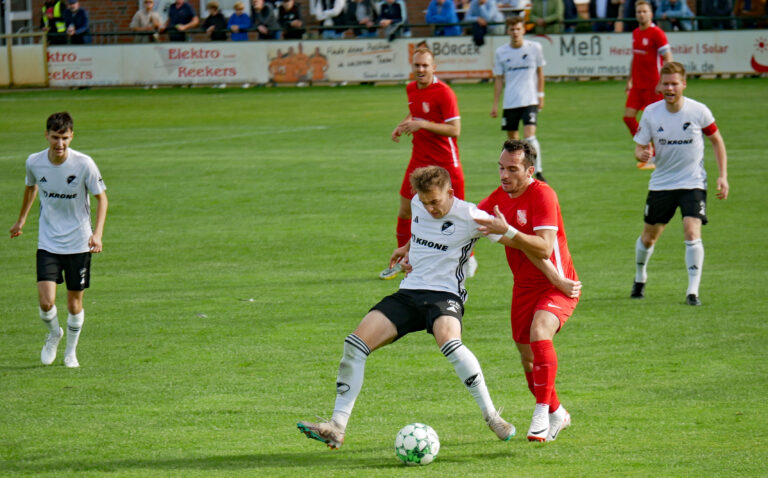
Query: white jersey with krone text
518	66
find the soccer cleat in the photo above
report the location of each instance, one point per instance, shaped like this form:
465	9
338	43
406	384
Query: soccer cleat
48	354
71	361
391	272
540	177
559	420
648	165
471	267
505	431
539	429
638	290
327	432
692	299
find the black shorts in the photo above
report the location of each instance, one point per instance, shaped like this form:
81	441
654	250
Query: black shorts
76	269
660	206
414	310
510	118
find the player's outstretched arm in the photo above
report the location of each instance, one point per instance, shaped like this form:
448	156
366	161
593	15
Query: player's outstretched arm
570	288
94	242
400	255
498	86
450	128
30	193
537	245
722	164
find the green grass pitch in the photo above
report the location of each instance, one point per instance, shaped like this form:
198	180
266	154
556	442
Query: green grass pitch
288	197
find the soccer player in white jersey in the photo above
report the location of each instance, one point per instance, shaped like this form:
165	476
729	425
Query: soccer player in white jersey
676	126
64	178
431	298
518	68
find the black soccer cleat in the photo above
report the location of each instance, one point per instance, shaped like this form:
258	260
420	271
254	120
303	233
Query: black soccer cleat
638	290
692	299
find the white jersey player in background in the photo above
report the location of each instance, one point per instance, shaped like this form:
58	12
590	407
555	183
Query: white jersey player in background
676	126
518	70
64	178
431	298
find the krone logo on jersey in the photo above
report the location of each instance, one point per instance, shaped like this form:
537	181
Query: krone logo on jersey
425	106
670	142
522	217
448	228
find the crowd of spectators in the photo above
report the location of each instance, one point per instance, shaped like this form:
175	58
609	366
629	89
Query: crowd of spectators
65	21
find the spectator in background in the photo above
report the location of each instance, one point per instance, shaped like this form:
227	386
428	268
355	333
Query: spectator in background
569	13
289	19
481	13
181	17
146	20
330	13
52	22
390	18
716	8
443	11
264	19
215	24
364	13
630	22
547	15
239	23
76	19
601	9
672	15
750	8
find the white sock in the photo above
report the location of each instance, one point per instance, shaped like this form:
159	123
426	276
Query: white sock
349	381
642	256
468	369
74	325
535	143
51	320
694	261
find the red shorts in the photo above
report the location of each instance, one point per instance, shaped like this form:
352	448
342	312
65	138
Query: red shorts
525	305
457	179
638	99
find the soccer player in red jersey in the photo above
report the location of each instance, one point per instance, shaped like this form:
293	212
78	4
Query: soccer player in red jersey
649	46
434	122
539	309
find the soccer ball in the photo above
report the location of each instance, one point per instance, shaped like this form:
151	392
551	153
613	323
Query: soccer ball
417	444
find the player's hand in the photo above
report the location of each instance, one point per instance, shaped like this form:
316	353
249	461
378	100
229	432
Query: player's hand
569	287
722	188
94	244
497	225
541	103
396	134
16	230
400	255
494	111
646	153
410	126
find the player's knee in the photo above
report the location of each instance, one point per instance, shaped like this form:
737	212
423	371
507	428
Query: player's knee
46	305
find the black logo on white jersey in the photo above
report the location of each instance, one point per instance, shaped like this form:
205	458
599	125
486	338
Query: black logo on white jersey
686	125
43	180
525	56
416	219
660	130
71	178
448	228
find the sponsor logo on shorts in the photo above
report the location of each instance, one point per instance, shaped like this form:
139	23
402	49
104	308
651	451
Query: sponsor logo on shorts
453	306
550	304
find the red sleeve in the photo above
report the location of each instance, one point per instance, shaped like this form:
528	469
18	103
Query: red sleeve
661	38
449	106
545	214
487	204
710	130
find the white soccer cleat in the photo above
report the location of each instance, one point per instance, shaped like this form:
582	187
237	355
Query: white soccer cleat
559	420
71	361
471	267
539	429
504	430
327	432
48	354
390	272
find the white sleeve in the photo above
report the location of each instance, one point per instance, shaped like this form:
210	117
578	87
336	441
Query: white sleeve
540	61
93	180
498	70
643	135
707	118
30	180
475	213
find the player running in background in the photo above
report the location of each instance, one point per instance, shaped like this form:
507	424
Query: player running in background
650	51
518	67
431	297
435	124
65	239
539	309
676	127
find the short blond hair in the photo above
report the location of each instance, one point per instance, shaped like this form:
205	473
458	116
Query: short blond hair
426	179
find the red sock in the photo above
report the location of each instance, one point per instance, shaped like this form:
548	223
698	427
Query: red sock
544	370
631	124
529	379
403	231
554	402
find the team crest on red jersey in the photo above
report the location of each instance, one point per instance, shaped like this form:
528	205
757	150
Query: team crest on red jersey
425	106
522	217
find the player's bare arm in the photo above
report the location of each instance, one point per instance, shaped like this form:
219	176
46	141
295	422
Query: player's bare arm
94	242
398	131
570	288
538	245
540	86
722	164
30	193
400	255
450	128
498	86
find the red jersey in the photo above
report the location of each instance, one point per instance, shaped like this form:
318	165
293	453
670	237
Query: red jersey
647	47
537	208
436	103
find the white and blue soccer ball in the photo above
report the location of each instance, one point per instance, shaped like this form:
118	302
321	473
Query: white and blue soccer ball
417	444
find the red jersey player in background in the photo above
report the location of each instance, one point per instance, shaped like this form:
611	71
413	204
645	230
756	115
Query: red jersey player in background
649	46
434	122
539	308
